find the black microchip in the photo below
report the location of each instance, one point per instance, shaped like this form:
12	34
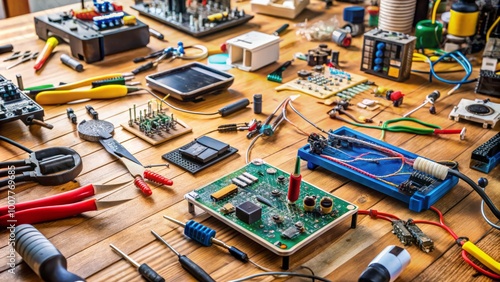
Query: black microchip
248	212
205	149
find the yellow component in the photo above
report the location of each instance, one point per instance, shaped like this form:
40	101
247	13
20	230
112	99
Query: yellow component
224	192
481	256
53	97
394	72
217	17
462	24
491	28
129	20
326	205
227	208
87	82
283	246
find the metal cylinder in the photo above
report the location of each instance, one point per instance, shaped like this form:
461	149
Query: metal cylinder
72	63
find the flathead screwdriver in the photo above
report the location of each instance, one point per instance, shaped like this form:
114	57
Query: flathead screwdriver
195	270
191	229
147	272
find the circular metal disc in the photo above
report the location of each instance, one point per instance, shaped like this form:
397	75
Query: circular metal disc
93	130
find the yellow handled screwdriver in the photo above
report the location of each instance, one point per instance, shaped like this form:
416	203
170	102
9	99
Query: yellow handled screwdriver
53	97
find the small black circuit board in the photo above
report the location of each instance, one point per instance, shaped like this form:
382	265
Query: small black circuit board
199	154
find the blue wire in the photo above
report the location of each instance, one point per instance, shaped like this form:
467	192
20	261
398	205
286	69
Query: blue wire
462	60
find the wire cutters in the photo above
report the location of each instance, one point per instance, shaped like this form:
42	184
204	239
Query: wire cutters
26	57
140	173
58	206
50	166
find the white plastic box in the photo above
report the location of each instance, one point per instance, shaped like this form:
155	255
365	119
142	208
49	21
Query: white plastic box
253	50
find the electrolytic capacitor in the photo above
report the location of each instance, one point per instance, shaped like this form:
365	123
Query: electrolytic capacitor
72	63
326	205
295	182
257	103
309	203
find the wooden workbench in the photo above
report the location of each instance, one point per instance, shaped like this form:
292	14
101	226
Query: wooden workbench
339	255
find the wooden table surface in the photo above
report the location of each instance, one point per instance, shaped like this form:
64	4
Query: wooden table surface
340	255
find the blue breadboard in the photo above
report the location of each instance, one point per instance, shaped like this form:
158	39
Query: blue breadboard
418	200
487	156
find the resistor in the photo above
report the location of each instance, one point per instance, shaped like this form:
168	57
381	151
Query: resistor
92	112
71	115
295	182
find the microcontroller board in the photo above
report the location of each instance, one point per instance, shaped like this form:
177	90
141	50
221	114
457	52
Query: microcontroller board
14	105
253	200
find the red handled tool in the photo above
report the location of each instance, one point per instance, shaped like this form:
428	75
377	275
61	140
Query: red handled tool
59	206
140	173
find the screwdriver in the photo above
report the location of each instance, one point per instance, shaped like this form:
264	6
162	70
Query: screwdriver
147	272
193	230
52	97
195	270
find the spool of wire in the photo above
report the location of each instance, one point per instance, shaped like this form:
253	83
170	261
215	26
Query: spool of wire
397	15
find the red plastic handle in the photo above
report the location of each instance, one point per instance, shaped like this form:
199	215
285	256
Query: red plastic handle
155	177
447	131
143	186
69	197
48	213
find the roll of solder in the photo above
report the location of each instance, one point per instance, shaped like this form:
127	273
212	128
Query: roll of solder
72	63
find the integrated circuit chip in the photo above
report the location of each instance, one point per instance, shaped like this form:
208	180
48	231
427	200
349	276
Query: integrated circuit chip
224	192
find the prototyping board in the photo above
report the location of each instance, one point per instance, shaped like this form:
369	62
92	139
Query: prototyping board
487	156
155	127
196	21
327	84
276	228
415	188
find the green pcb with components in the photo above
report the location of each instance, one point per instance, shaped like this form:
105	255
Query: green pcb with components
282	228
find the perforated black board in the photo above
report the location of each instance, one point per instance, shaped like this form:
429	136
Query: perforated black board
176	158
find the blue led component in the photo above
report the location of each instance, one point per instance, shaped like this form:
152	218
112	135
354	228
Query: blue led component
379	57
200	233
103	6
109	21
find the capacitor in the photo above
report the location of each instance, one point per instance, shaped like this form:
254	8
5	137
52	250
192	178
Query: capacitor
257	103
386	266
326	205
464	15
72	63
309	203
295	182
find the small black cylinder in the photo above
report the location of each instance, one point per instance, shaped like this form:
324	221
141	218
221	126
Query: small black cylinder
257	103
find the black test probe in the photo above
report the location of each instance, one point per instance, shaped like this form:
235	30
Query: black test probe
145	270
190	266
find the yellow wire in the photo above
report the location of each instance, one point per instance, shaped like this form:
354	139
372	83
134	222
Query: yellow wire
434	11
491	28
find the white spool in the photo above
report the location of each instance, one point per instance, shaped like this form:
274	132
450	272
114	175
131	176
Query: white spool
397	15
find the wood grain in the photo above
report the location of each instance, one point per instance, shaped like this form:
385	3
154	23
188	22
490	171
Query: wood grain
339	255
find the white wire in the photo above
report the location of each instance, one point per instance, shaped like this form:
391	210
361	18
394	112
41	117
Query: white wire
485	217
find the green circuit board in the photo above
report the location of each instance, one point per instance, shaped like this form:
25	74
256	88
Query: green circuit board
256	205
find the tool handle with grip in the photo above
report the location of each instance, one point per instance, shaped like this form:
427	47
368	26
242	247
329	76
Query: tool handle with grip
6	48
149	274
87	82
64	96
143	186
195	270
41	214
69	197
238	254
155	177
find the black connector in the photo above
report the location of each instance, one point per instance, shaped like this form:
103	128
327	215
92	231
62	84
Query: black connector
234	107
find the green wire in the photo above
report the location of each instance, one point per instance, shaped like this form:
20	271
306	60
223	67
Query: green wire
401	128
